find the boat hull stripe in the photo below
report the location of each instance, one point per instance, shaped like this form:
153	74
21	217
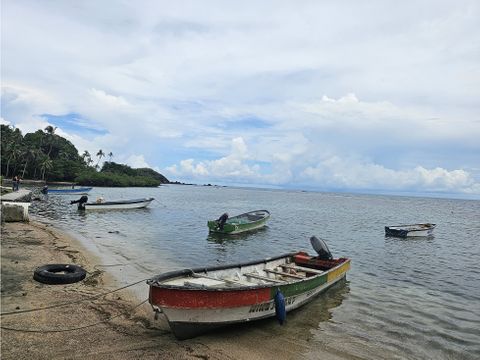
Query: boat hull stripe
207	299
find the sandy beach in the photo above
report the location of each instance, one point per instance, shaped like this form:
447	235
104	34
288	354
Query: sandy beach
130	336
107	327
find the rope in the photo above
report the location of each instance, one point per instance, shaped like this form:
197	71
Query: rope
72	329
71	302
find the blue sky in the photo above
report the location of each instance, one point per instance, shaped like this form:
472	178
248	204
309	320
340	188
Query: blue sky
350	96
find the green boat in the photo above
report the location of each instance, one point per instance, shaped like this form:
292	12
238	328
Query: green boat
237	224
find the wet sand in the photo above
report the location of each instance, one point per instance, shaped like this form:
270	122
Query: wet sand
131	334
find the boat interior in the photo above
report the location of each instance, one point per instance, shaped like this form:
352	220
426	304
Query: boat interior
281	271
412	227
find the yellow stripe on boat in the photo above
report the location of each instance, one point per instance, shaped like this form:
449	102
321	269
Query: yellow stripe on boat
338	272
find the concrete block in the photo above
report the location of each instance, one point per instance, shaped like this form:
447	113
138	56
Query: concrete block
15	211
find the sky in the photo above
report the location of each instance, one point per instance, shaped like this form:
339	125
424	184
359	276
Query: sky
370	96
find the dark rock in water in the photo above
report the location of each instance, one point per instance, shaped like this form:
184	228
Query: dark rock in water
114	232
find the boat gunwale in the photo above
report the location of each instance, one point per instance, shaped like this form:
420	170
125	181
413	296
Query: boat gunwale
154	282
69	190
399	227
267	215
120	202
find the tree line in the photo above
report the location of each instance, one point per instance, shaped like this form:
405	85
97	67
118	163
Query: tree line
44	155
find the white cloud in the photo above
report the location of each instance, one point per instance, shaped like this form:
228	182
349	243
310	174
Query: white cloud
356	174
396	91
3	121
107	99
137	161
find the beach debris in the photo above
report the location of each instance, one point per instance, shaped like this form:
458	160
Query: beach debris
54	274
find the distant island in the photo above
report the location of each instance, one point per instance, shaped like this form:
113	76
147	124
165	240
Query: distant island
44	155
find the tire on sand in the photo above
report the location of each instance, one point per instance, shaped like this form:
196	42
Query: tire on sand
54	274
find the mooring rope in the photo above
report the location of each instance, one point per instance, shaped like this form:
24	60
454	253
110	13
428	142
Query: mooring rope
76	328
71	302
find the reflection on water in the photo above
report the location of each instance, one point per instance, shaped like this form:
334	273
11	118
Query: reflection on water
220	238
405	298
295	336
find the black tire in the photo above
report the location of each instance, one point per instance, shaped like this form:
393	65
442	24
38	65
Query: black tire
54	274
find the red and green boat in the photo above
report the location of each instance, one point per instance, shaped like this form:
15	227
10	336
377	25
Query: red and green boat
198	300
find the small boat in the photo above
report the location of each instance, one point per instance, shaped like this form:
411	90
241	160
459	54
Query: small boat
198	300
100	204
77	191
244	222
410	230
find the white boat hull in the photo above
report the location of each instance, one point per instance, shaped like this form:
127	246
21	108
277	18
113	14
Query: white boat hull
420	233
139	205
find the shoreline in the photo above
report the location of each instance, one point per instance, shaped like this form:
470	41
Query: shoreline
26	246
120	328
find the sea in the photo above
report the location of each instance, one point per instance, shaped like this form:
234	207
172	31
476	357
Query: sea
413	298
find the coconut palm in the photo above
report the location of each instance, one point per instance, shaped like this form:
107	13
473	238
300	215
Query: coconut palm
50	131
100	154
13	145
110	155
45	164
87	158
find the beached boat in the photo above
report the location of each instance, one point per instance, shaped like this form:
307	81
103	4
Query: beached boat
100	204
244	222
74	191
198	300
410	230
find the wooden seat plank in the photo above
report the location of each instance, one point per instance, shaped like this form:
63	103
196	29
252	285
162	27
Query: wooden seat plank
256	276
301	268
296	276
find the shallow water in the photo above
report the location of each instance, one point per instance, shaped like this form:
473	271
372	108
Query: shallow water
403	298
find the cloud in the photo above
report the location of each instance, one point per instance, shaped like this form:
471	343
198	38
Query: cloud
332	172
137	161
392	91
338	173
107	99
232	166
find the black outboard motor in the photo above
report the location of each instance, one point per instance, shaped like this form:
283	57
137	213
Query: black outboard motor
321	248
222	220
81	202
44	190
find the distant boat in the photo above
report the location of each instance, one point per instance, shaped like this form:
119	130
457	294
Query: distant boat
112	205
77	191
410	230
244	222
198	300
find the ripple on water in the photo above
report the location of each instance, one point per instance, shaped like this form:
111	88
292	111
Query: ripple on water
405	298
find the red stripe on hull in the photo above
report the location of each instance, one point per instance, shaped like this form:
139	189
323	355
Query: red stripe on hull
207	299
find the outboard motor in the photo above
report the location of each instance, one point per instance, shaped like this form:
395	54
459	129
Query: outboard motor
44	190
222	220
321	248
81	202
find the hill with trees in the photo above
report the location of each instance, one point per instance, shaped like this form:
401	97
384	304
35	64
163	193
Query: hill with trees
44	155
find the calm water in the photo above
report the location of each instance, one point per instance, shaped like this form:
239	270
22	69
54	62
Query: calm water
417	298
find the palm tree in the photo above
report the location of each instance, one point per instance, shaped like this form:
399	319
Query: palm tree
87	158
100	154
27	154
110	155
13	147
37	153
50	131
45	164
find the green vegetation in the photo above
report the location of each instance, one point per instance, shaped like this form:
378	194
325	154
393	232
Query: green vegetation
47	156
